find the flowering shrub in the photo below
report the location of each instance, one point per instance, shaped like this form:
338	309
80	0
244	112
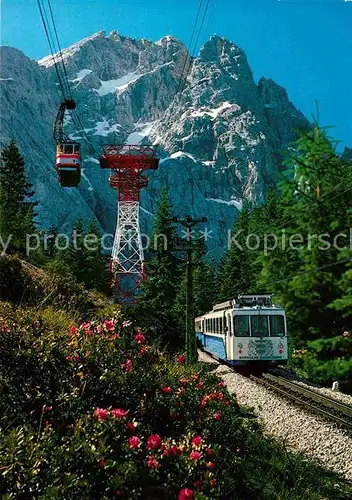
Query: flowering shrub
96	412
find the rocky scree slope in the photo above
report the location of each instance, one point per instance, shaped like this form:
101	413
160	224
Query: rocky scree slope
220	139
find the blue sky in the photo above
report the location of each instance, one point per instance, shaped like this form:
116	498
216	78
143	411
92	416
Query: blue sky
305	46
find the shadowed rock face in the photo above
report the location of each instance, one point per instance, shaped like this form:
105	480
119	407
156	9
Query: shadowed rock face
220	135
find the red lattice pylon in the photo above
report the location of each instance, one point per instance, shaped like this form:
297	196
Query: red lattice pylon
127	164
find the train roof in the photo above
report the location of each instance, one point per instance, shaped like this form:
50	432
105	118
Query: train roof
247	301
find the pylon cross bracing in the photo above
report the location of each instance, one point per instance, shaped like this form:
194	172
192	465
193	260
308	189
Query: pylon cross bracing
127	164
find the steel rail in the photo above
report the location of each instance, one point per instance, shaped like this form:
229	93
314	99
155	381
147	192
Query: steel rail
320	403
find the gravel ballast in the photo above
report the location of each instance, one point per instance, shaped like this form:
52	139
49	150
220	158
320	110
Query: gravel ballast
301	431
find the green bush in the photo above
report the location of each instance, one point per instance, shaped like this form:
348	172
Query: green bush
324	361
24	284
16	284
94	412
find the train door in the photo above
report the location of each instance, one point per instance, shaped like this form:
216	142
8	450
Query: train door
229	334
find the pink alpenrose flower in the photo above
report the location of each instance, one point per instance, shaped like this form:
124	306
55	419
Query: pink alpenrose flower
109	325
186	494
119	413
197	441
152	463
100	414
127	365
167	390
134	442
195	455
139	338
73	330
153	442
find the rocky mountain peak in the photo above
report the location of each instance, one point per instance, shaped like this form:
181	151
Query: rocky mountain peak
219	134
217	48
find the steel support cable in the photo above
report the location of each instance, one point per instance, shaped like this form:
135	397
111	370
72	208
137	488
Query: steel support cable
189	50
74	114
55	56
80	128
195	45
42	14
60	51
189	47
75	117
211	14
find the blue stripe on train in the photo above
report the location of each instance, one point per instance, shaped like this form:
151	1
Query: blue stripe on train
216	345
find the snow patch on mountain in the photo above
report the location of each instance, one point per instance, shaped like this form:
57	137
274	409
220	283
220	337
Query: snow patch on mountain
92	160
215	111
118	85
90	187
236	203
104	128
80	75
137	136
178	154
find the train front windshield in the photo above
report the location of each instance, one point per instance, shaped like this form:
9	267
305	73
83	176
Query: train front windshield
259	325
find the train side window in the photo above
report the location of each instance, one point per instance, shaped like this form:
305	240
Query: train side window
259	325
241	326
77	148
277	325
230	324
220	321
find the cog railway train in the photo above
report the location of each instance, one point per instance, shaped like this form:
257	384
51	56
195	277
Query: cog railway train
248	330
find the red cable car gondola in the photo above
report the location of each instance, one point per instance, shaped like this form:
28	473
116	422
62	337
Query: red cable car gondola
68	163
68	152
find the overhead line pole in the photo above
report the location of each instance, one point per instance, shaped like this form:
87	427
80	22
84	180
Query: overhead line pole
190	335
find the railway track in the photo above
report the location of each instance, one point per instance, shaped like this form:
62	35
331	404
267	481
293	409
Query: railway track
329	408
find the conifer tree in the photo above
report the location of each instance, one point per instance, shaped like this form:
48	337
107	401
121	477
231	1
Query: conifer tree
97	263
50	246
160	288
236	267
16	198
84	259
315	194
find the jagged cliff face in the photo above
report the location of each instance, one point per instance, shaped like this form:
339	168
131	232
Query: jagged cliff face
220	139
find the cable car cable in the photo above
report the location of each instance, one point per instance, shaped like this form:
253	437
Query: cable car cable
60	51
51	49
64	82
195	45
189	45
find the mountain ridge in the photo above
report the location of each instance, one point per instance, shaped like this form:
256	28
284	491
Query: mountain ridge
220	135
